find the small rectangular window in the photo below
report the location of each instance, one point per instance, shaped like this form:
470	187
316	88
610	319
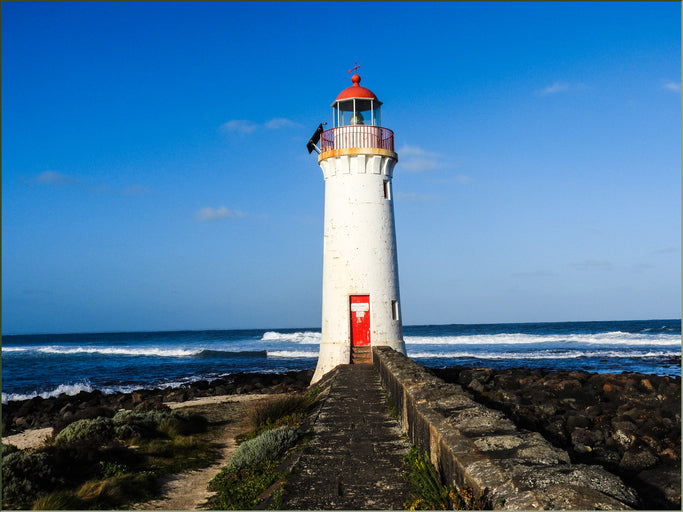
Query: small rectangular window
394	310
387	190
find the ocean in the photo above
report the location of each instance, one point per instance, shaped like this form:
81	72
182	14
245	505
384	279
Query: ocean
50	364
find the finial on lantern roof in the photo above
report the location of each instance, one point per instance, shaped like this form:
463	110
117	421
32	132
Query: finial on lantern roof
356	77
356	90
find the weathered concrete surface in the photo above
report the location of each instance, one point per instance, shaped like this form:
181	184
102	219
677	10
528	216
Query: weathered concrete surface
474	446
355	459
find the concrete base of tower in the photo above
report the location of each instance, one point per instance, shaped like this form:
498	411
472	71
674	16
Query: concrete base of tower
332	354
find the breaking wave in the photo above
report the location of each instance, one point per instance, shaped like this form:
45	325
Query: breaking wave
302	337
608	338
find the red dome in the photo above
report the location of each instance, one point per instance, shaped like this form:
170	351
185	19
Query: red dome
356	91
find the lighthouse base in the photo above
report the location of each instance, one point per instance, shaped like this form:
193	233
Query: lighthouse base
333	354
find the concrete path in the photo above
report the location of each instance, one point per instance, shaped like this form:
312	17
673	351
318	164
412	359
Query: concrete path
355	459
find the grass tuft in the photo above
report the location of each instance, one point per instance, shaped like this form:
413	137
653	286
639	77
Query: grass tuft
428	491
240	488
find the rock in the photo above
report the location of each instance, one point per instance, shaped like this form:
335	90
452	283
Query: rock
638	459
68	407
175	395
557	432
21	422
624	433
577	421
647	385
568	384
584	436
610	388
606	457
87	413
152	404
661	487
598	423
201	385
476	386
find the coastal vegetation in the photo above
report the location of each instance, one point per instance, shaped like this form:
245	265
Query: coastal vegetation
104	463
259	463
428	491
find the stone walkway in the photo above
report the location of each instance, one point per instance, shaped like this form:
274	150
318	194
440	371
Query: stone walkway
355	459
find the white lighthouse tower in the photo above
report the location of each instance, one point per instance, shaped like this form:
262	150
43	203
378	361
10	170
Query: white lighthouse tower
360	302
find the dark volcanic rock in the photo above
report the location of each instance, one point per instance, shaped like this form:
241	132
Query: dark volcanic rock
628	423
58	412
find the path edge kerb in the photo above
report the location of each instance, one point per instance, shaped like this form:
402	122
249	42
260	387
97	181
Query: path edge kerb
474	446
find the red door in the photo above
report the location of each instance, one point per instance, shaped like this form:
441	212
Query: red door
360	320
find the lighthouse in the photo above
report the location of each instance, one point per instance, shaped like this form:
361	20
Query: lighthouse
360	297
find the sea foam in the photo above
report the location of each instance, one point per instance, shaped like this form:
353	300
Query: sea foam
303	337
608	338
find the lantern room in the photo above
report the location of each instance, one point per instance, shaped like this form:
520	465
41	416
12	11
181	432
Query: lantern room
357	124
356	105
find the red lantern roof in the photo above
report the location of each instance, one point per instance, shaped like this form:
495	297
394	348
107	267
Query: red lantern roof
357	91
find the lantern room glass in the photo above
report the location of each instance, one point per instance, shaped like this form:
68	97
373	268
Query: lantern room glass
357	111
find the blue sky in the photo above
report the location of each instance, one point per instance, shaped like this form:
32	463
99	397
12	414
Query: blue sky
155	176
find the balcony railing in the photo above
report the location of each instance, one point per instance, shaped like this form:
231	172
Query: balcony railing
357	136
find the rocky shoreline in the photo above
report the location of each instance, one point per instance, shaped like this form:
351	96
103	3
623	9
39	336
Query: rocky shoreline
57	412
628	423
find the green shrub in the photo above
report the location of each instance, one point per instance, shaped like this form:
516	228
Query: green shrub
239	489
149	418
96	430
110	469
268	446
24	476
182	425
126	431
150	423
8	448
270	412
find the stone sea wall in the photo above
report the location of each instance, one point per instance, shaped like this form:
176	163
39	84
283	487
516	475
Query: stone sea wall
475	446
628	423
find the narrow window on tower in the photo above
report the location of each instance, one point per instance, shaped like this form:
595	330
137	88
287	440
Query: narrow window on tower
394	310
387	190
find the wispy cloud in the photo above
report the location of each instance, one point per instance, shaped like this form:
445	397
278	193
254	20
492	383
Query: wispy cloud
672	86
209	214
245	126
562	87
555	88
416	159
280	122
240	126
54	178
